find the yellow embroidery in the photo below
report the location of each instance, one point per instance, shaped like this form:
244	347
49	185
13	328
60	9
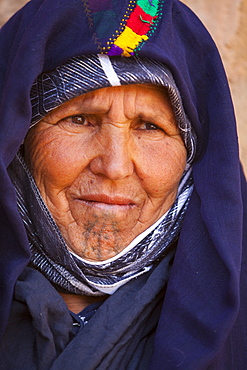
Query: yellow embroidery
128	41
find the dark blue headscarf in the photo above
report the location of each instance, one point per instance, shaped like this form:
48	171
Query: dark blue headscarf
202	321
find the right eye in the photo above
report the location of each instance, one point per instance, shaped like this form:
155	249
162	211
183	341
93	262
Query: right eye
77	120
77	123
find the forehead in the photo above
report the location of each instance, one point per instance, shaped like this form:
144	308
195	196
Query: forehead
139	97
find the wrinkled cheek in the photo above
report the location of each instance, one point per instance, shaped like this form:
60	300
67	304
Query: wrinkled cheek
160	186
60	168
53	164
163	175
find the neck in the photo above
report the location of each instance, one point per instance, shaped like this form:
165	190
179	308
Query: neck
77	303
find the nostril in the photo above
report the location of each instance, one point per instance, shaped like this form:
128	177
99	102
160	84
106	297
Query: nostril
113	166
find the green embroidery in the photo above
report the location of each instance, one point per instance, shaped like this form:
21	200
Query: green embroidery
149	6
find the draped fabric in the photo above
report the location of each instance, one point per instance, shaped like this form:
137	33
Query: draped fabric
119	336
50	254
203	320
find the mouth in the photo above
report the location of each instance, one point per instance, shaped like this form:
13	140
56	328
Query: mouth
104	201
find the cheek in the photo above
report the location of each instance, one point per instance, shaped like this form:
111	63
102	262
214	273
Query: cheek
162	167
54	160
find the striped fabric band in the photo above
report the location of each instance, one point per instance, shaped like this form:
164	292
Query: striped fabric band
83	74
70	273
108	69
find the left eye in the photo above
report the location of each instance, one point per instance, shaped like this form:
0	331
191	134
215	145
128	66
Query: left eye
149	126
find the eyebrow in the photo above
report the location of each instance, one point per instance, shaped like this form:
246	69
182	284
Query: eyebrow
91	105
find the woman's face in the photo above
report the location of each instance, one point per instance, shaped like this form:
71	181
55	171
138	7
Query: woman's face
108	164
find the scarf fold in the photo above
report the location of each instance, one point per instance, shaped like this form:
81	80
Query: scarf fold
120	335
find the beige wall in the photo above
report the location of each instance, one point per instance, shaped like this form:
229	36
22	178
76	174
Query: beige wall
8	7
227	22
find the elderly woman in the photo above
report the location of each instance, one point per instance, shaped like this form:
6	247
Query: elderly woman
122	196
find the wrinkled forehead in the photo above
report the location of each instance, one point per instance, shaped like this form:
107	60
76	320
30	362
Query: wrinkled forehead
133	102
83	74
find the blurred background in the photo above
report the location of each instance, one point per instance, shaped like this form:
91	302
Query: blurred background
226	20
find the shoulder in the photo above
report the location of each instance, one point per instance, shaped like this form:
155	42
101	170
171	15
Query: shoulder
39	325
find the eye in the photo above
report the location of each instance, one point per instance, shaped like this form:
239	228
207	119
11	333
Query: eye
77	123
149	126
77	120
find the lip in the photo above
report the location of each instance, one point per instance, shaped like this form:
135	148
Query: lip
107	199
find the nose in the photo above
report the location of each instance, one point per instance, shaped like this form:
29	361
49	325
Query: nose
113	158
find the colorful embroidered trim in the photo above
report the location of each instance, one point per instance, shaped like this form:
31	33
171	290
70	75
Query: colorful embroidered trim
139	23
